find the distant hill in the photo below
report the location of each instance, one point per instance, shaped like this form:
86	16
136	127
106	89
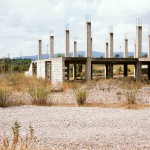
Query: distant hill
94	53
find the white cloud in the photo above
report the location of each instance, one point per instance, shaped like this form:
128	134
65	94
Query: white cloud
23	21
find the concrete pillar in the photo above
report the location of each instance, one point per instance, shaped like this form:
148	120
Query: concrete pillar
138	71
106	53
148	46
106	71
111	45
67	65
67	44
125	48
88	51
138	41
149	71
88	69
51	46
74	71
91	46
40	50
75	49
110	70
125	70
135	50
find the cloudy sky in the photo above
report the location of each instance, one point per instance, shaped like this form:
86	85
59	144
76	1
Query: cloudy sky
22	22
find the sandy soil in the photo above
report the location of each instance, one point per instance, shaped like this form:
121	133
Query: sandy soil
81	127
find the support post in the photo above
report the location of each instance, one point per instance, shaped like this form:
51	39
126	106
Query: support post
40	50
106	71
106	53
51	46
74	71
111	45
88	69
111	70
67	44
67	65
125	48
148	46
75	49
125	70
88	51
138	71
149	71
138	41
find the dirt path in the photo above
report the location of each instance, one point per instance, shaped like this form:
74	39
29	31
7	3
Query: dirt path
79	128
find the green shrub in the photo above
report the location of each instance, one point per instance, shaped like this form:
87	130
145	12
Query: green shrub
4	97
81	96
39	95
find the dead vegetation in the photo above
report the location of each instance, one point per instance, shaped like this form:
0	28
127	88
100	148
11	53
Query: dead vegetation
21	90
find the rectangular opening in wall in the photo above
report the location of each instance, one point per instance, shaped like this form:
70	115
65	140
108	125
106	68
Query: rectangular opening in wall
48	70
34	67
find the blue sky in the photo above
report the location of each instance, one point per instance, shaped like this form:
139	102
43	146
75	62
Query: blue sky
23	22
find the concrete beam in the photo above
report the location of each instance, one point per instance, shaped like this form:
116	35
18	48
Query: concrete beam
67	44
40	50
51	46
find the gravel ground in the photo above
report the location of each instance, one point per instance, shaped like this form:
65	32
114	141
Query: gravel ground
81	127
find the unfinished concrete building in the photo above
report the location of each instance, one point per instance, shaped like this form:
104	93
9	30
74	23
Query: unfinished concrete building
57	69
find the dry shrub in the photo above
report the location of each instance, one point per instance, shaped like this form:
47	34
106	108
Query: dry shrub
81	96
130	94
5	94
17	142
39	95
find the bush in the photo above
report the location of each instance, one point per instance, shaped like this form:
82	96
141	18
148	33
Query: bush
39	95
131	96
4	97
81	96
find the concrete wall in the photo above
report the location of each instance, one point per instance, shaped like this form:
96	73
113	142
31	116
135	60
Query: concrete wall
41	69
57	70
29	73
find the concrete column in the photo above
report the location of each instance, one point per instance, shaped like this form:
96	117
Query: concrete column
135	50
40	50
106	71
138	71
74	71
149	71
91	47
51	46
67	44
67	65
75	49
88	69
88	51
125	70
111	70
111	45
125	48
106	53
148	46
138	41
